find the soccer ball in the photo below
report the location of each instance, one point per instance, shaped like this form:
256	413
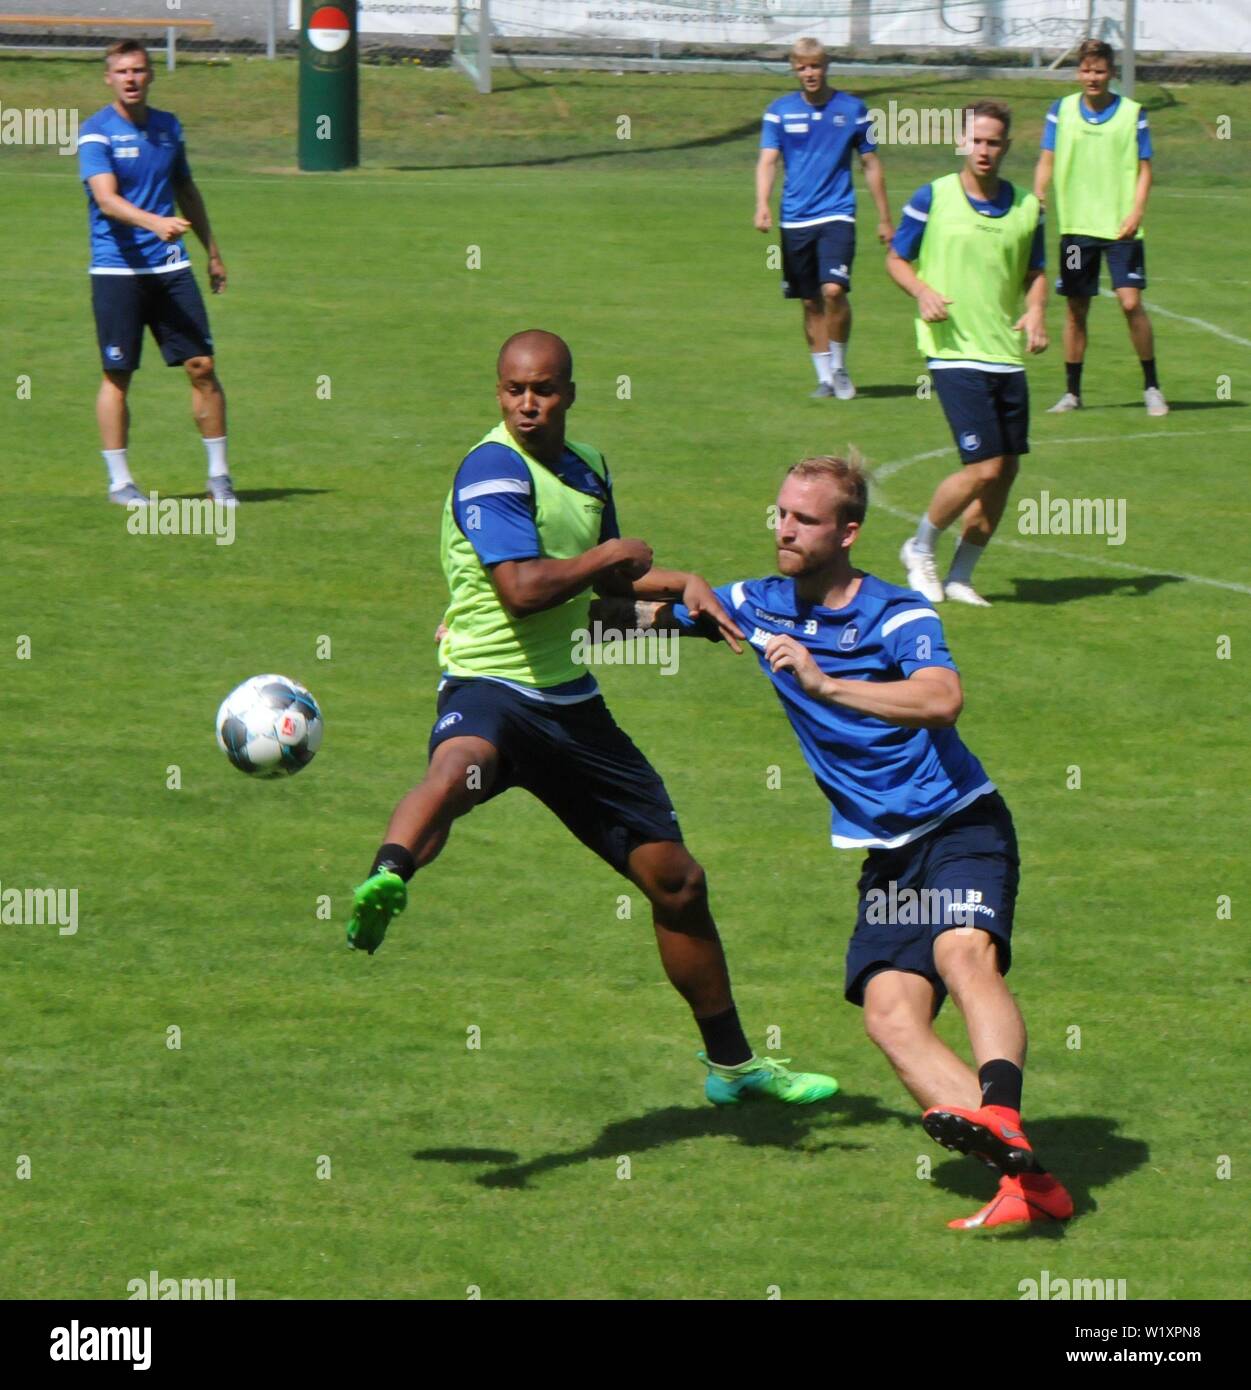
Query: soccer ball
269	726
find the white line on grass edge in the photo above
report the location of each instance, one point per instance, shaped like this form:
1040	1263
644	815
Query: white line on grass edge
888	470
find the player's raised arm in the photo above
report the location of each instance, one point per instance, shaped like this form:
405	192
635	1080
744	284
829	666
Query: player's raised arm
526	587
111	203
931	698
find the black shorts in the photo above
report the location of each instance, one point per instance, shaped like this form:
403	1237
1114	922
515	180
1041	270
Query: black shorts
818	255
573	758
988	411
973	857
170	305
1080	257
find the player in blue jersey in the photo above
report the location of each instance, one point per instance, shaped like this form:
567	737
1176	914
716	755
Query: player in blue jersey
815	132
134	166
864	675
1097	145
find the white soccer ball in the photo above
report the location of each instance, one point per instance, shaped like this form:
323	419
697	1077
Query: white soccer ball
270	726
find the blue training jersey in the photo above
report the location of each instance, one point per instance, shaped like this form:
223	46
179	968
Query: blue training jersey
149	162
887	785
816	144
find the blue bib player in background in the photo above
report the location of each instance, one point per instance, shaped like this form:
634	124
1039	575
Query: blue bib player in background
864	674
815	131
133	165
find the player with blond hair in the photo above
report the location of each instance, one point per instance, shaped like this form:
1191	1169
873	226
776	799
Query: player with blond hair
814	132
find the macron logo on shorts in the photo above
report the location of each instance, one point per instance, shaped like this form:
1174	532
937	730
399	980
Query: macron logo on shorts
447	721
969	440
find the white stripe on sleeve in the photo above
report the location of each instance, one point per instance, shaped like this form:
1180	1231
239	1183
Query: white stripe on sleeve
493	485
908	616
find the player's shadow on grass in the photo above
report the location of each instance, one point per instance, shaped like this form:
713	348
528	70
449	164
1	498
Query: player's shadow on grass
885	392
1177	405
1050	591
1085	1151
758	1125
265	494
622	147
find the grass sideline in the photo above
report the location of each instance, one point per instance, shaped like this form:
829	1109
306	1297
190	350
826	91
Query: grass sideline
499	1167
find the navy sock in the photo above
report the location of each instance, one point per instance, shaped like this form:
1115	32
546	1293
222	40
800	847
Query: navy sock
724	1040
1001	1083
397	858
1149	378
1073	378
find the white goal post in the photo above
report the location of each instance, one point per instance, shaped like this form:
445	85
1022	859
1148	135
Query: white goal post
471	43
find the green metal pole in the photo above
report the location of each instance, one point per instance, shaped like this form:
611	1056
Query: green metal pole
329	90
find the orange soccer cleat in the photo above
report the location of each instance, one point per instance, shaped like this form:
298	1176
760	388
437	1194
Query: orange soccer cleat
993	1134
1031	1197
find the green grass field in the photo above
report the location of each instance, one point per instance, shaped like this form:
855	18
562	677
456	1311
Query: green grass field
499	1167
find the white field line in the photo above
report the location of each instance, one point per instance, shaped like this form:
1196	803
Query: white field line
888	470
1185	318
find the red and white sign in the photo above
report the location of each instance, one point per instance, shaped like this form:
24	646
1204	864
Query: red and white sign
329	29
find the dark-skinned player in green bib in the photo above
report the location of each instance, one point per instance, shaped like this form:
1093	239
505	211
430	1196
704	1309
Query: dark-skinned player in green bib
529	534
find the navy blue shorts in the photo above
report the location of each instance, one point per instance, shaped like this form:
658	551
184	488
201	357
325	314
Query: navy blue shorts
816	256
574	758
973	857
988	411
170	305
1080	258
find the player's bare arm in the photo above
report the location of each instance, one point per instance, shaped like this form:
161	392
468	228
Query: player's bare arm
875	179
643	614
933	306
930	698
532	586
1033	322
113	205
191	204
1043	171
1142	191
766	171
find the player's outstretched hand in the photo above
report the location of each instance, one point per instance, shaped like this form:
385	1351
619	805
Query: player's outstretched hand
786	654
701	602
763	219
933	306
171	228
1034	326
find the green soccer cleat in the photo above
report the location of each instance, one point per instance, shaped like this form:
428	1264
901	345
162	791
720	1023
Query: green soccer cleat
374	903
764	1076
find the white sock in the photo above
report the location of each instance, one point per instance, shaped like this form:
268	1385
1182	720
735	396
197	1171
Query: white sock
838	355
967	555
216	451
119	470
927	535
821	361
